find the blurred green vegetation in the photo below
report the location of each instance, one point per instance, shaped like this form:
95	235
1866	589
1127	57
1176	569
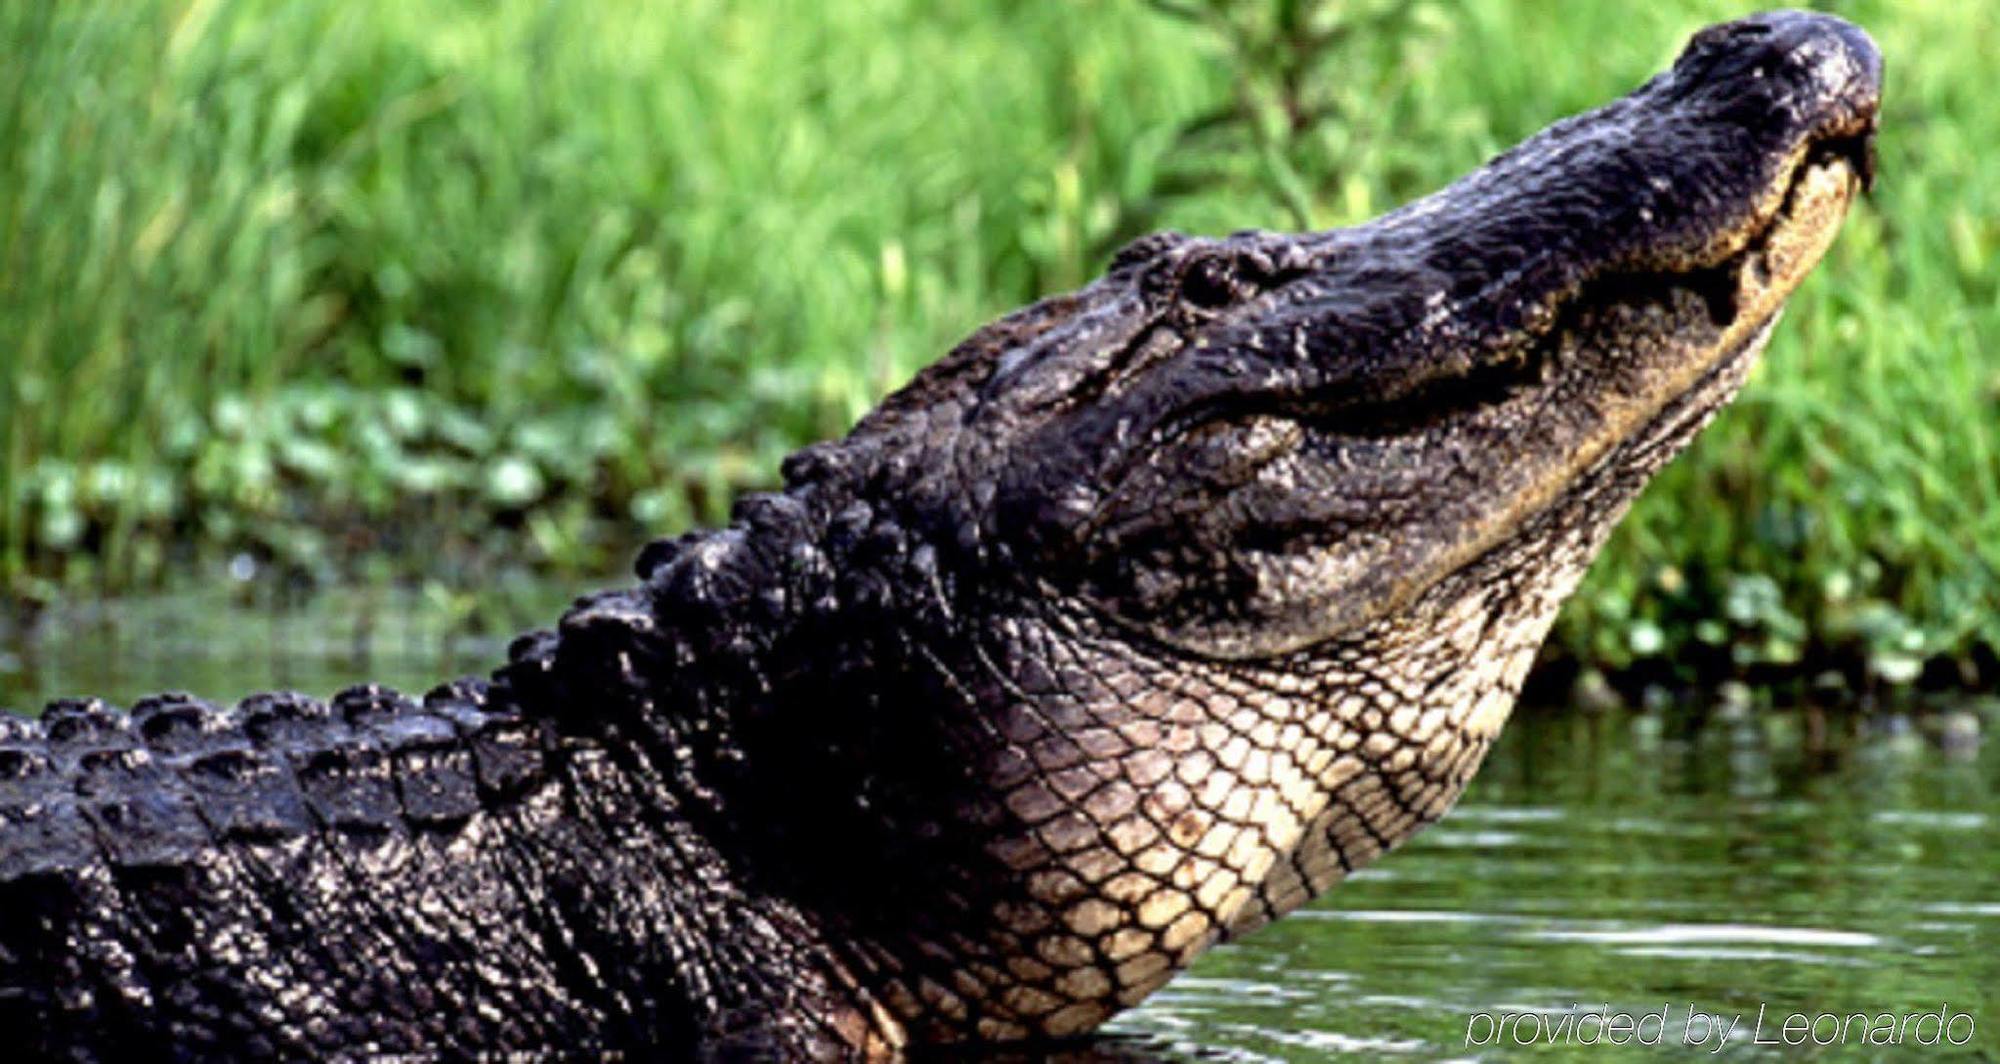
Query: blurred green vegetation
317	281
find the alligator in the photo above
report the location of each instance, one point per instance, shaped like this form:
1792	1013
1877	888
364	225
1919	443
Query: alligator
1134	623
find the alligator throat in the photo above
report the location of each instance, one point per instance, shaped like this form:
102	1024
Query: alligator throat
1134	623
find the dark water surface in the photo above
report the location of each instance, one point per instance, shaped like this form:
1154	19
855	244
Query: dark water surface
1610	863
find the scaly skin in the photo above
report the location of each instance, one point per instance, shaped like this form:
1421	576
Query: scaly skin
1134	623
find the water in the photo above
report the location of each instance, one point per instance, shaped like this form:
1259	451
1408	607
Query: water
224	640
1600	864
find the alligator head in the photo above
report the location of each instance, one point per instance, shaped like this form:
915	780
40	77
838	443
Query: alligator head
1167	602
1245	447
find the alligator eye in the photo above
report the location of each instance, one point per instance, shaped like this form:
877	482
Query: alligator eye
1207	283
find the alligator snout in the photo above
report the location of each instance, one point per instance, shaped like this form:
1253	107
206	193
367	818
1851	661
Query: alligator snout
1795	73
1823	57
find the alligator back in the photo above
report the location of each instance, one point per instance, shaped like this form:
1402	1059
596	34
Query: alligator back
163	871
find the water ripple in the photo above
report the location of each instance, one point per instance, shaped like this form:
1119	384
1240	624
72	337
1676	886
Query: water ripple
1704	934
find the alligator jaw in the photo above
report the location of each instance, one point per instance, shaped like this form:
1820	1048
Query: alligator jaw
1743	295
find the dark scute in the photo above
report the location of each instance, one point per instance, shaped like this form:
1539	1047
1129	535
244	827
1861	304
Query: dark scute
175	723
350	787
248	794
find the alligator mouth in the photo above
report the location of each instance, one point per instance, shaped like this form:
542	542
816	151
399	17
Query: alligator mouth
1705	327
1718	285
1818	192
1840	162
1745	292
1842	159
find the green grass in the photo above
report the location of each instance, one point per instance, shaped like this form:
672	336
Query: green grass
318	280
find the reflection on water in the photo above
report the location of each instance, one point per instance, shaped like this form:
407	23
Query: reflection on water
1619	862
223	642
